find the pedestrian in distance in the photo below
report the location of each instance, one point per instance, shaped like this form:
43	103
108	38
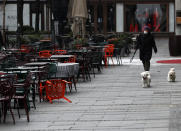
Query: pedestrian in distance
145	43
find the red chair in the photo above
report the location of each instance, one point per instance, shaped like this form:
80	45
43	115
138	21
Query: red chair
55	89
78	46
45	53
41	87
25	49
106	50
24	96
71	60
111	48
60	52
109	51
6	92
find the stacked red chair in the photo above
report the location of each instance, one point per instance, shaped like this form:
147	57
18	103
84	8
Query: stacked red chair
108	52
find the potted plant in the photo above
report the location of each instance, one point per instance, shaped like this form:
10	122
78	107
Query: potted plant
125	40
80	42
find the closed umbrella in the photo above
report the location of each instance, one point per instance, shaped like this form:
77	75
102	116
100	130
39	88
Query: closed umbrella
79	8
69	14
79	15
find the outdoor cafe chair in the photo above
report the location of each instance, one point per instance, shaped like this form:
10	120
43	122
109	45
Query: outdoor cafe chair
108	52
71	60
70	78
25	49
96	61
45	54
22	91
55	89
60	71
48	72
89	63
6	94
111	51
43	76
84	66
118	55
52	69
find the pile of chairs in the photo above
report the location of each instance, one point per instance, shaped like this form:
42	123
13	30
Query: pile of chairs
109	52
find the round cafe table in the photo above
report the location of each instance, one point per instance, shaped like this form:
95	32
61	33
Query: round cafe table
67	70
61	57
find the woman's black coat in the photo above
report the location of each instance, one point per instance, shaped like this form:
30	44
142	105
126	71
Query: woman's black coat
145	43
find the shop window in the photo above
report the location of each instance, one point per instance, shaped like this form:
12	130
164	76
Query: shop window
90	20
110	18
100	18
152	15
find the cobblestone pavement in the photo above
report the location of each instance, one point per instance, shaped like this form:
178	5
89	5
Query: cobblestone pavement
113	101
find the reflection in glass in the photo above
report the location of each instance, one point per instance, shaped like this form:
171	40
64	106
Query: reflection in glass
152	15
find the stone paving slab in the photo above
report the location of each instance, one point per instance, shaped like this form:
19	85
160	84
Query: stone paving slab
111	105
112	101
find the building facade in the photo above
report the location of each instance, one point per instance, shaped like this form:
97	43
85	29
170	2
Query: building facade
162	16
29	14
133	15
178	17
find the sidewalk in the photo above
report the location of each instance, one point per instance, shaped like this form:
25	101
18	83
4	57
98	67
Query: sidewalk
113	101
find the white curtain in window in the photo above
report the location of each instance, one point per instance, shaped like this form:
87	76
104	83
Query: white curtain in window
119	17
171	17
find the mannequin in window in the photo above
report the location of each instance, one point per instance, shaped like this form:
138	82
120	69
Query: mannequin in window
138	20
156	24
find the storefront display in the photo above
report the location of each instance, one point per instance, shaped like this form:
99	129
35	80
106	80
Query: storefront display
139	15
132	15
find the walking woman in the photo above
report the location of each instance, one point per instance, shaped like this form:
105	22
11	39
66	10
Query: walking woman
145	44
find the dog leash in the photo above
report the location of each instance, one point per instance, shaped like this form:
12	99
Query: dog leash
133	56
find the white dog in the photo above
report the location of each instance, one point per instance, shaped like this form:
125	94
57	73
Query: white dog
171	75
146	79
